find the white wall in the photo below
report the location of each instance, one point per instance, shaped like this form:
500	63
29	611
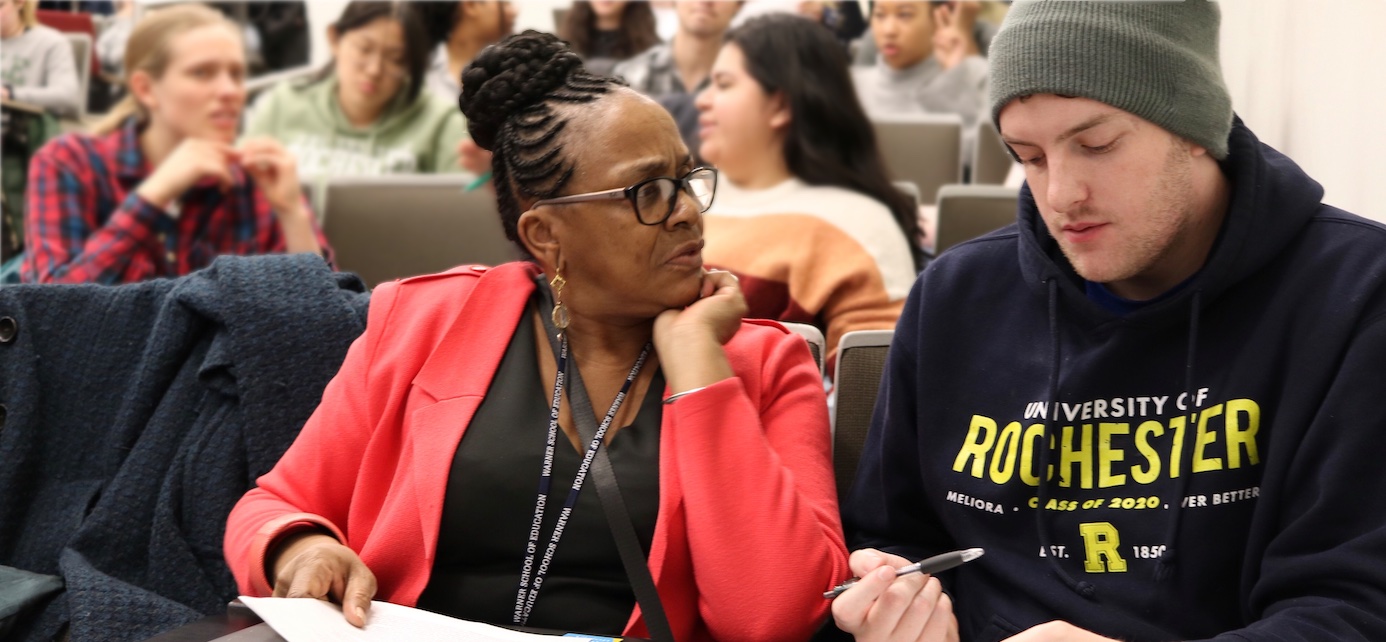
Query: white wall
1307	78
538	14
320	14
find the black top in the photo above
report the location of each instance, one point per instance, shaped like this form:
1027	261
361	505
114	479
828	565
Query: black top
601	58
490	503
605	45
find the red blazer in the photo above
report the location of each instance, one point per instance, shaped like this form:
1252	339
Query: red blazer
747	535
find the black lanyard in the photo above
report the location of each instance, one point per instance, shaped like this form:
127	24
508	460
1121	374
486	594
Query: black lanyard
531	578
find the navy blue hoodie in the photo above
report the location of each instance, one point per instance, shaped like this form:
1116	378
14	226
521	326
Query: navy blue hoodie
1217	460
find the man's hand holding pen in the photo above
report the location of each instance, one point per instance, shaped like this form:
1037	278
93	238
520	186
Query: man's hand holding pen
896	601
882	607
936	564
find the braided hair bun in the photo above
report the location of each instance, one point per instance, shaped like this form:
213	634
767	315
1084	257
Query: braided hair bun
511	76
508	96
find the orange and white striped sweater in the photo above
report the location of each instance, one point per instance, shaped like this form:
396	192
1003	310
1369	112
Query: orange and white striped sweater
811	254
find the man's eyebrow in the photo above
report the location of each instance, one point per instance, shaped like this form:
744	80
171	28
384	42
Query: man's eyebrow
1072	131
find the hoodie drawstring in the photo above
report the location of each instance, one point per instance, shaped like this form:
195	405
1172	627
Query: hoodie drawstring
1083	588
1164	568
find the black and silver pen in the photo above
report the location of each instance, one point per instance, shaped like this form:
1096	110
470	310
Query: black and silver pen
935	564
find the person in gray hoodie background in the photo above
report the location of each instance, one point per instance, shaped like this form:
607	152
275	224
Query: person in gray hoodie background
366	113
930	61
37	65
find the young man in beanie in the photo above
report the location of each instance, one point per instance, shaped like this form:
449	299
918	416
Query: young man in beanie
1156	402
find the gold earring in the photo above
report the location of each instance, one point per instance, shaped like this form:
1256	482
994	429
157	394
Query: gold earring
560	311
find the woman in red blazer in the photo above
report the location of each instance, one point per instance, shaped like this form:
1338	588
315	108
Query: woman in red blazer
414	480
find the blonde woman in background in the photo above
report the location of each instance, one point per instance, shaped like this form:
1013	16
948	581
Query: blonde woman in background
157	189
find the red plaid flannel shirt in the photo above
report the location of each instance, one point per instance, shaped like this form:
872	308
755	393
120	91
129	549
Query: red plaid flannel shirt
84	223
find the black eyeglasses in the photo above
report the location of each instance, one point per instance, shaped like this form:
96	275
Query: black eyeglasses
654	199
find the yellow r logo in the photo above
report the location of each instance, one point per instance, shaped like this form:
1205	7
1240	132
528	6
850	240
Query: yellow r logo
1100	539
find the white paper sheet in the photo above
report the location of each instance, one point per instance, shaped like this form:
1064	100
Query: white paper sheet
309	620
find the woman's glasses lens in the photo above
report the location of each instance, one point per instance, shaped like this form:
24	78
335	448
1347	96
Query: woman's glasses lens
655	200
702	184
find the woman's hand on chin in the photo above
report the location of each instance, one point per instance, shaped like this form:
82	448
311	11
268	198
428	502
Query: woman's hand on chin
716	314
689	341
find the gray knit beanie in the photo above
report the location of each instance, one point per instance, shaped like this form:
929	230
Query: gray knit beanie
1157	60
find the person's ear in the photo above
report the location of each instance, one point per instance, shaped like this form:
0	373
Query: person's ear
780	113
334	37
537	234
1195	150
142	88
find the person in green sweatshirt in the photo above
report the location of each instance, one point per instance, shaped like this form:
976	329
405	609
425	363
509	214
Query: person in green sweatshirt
365	113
